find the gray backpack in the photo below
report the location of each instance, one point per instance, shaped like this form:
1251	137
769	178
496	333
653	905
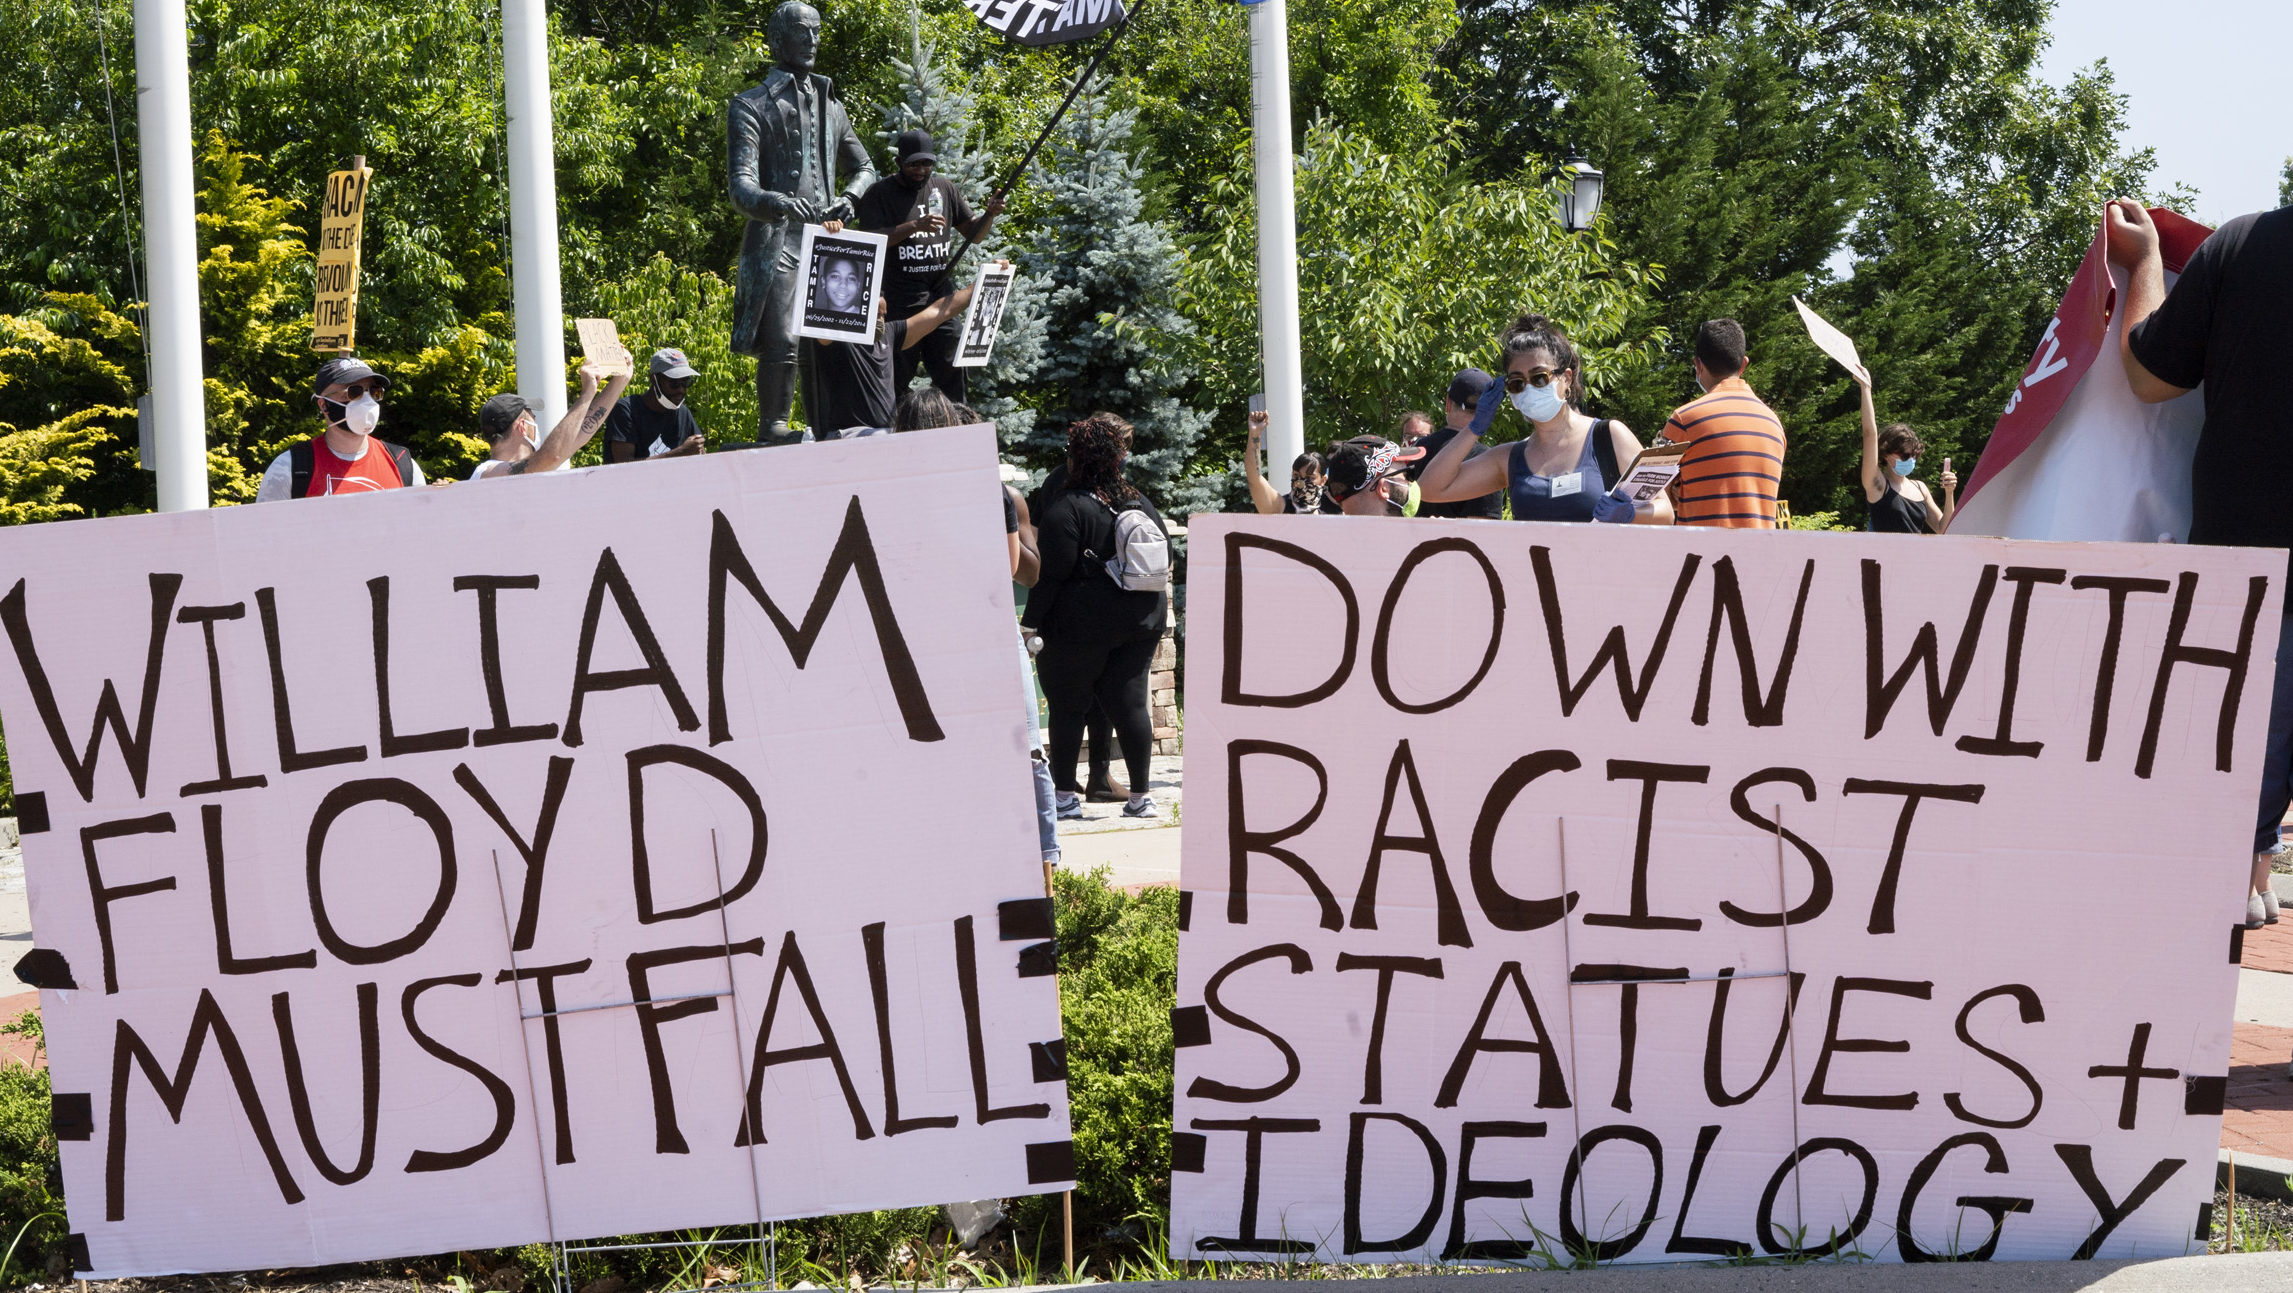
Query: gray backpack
1141	563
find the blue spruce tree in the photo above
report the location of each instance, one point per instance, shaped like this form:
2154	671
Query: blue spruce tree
950	115
1109	274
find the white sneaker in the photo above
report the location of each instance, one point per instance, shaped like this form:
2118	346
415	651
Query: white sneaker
1141	806
1068	807
2256	915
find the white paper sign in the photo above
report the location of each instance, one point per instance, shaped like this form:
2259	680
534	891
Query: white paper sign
2014	784
983	318
843	273
414	793
1828	339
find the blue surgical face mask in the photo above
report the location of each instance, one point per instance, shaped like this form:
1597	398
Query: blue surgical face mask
1905	466
1539	403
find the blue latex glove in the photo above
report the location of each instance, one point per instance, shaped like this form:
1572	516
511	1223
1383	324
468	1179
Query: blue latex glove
1613	510
1485	413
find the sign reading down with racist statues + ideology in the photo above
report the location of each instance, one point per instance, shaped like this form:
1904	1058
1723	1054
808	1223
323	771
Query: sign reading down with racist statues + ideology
1584	892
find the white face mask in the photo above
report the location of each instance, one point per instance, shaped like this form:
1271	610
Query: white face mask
1539	403
668	403
361	415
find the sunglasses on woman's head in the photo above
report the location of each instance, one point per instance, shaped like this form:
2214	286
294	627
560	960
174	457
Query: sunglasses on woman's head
1540	378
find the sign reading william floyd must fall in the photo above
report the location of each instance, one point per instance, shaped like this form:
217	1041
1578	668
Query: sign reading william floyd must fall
1664	895
354	829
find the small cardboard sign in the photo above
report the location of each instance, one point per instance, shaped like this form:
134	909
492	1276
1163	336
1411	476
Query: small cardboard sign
1830	340
601	346
342	217
983	319
843	273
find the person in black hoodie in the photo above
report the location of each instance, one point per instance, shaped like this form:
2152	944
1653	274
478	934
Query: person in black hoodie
1098	638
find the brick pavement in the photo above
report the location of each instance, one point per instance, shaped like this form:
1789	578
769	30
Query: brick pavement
14	1050
2258	1118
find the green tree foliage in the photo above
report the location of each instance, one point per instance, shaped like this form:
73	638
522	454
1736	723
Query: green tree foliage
1370	64
1755	147
1377	340
67	425
31	1175
1109	271
2285	184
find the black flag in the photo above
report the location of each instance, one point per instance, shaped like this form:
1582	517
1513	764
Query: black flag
1047	22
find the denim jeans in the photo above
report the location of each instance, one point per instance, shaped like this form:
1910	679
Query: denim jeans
2277	764
1046	808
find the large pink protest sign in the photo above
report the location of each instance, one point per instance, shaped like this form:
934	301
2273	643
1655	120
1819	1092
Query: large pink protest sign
607	851
1669	894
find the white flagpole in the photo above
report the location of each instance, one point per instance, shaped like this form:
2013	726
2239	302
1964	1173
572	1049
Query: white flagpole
534	293
178	407
1277	238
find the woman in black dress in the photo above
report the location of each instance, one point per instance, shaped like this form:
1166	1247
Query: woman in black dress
1099	638
1899	503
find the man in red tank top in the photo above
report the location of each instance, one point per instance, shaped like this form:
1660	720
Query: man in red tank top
345	458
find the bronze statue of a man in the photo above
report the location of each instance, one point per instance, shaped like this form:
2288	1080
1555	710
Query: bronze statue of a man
790	143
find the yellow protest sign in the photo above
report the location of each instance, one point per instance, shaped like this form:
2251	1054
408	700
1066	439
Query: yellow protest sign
334	315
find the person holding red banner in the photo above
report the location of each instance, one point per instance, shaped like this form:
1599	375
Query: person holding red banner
2227	326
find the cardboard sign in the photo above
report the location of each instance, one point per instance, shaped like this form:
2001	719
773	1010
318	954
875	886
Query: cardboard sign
983	318
601	346
547	862
1830	340
1666	894
843	272
2075	455
342	219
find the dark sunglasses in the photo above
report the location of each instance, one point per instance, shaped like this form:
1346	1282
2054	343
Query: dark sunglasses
358	389
1515	383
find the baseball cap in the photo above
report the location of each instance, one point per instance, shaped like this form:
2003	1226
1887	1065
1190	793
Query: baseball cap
499	414
1365	459
1466	387
343	370
671	363
914	146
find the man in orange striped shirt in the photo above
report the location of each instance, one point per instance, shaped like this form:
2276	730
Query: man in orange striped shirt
1734	464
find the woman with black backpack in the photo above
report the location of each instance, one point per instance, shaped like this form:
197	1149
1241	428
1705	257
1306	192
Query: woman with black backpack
1100	606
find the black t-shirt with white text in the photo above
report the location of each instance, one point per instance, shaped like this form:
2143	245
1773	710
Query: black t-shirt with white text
650	431
2227	325
920	261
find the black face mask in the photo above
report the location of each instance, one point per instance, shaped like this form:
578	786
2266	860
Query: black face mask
337	412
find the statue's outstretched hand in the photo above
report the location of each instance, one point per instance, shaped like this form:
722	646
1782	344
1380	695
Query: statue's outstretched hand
842	209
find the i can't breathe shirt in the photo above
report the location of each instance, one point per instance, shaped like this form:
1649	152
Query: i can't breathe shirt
920	261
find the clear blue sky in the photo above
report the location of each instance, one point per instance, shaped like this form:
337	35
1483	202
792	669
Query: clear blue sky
2208	85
